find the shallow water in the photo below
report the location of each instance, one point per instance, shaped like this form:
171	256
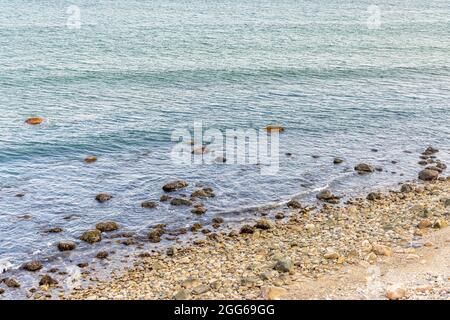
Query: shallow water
137	70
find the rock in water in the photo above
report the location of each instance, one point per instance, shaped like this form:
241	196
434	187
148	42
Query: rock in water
35	121
430	150
47	281
102	255
294	204
103	197
90	159
363	168
107	226
327	196
11	283
66	245
338	160
203	193
274	128
180	202
149	204
32	266
263	224
92	236
175	185
428	175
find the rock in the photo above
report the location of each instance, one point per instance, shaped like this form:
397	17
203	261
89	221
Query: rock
284	265
155	235
201	289
366	246
203	193
83	265
395	292
34	121
247	229
54	230
92	236
196	227
423	162
363	168
182	295
331	255
425	223
66	245
381	250
434	168
107	226
338	160
165	198
428	175
199	210
190	283
429	151
46	280
274	128
407	188
171	251
327	196
103	197
102	255
263	224
149	204
180	202
279	215
217	220
11	283
90	159
2	291
200	150
32	266
175	185
440	224
220	160
294	204
447	203
273	293
441	166
374	196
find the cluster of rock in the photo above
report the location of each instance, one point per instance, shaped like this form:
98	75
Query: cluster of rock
434	166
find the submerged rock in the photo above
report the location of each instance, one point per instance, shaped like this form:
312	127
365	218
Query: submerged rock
180	202
32	266
103	197
149	204
430	150
107	226
363	168
92	236
203	193
338	160
46	280
165	198
428	175
90	159
175	185
66	245
327	196
11	283
102	255
54	230
294	204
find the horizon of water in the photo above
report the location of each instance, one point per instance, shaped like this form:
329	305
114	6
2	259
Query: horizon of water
135	71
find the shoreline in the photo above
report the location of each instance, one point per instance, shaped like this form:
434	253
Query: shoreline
265	261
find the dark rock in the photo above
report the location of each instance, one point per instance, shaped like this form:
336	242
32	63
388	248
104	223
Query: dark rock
102	255
441	165
216	225
338	160
284	265
149	204
217	220
54	230
103	197
154	236
180	202
196	227
171	251
92	236
2	291
247	229
203	193
107	226
220	160
46	280
430	150
199	210
374	150
279	215
294	204
263	224
83	265
206	231
374	196
327	196
175	185
428	175
32	266
407	188
434	168
165	198
66	245
11	283
363	168
423	162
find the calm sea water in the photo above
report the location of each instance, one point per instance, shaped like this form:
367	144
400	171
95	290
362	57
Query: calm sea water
136	70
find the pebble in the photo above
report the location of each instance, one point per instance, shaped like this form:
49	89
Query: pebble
284	265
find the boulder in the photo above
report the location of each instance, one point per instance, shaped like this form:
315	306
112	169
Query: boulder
107	226
149	204
103	197
247	229
92	236
175	185
46	280
428	175
363	168
32	266
203	193
430	150
180	202
338	160
66	245
327	196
